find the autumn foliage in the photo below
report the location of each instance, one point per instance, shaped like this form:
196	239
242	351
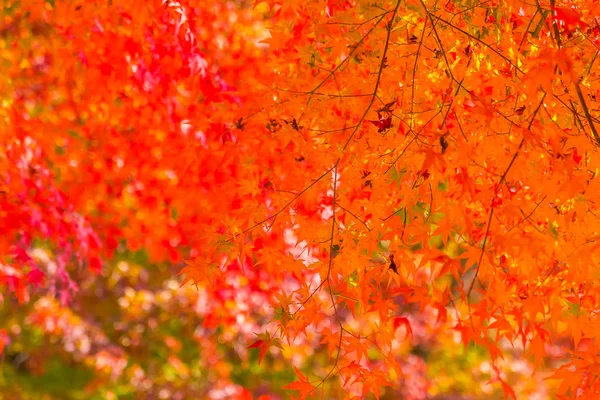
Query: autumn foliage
365	184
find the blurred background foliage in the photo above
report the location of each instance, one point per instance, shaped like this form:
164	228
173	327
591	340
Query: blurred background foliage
133	332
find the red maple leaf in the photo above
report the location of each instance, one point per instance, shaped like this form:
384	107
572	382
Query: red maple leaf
35	277
383	123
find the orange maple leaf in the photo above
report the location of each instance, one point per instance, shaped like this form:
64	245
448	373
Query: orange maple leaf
264	342
302	385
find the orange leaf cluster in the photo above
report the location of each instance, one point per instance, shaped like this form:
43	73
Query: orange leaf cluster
362	165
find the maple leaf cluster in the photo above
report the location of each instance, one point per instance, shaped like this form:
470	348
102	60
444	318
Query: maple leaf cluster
382	175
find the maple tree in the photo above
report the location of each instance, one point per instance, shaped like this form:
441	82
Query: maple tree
372	176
